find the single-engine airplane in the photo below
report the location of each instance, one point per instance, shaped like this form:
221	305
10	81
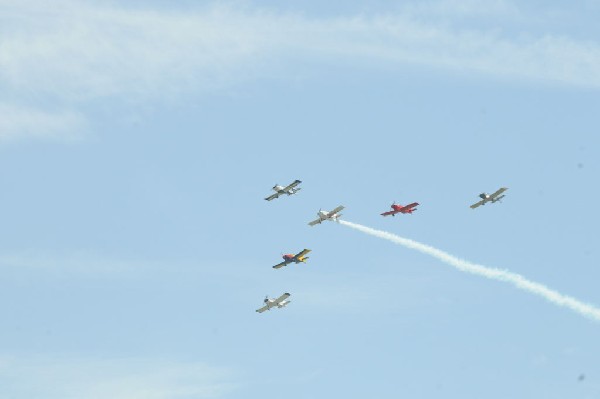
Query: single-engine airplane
397	208
324	215
485	198
291	258
280	190
280	302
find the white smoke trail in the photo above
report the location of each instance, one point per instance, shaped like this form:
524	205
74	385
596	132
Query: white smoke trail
517	280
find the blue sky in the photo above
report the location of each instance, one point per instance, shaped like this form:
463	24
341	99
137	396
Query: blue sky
137	143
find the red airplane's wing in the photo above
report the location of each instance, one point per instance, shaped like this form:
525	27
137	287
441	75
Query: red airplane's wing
388	213
410	206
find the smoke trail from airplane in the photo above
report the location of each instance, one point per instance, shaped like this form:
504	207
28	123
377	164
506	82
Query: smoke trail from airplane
515	279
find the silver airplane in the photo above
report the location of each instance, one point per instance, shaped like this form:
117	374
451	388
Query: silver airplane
281	190
280	302
485	198
324	215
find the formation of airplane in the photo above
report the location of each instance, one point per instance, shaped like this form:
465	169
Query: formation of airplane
279	303
485	198
290	258
396	208
324	215
281	190
334	215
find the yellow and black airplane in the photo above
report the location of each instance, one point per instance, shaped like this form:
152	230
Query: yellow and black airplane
291	258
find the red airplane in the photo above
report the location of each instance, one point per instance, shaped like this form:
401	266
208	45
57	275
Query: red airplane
396	208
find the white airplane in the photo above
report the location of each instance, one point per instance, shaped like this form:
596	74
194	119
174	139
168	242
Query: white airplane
280	302
280	190
324	215
485	198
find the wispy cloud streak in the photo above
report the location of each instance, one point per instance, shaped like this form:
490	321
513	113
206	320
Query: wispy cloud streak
116	378
24	122
83	50
70	53
515	279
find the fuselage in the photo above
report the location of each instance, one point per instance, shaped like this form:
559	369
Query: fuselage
488	198
270	303
400	208
332	215
397	208
280	190
323	215
289	258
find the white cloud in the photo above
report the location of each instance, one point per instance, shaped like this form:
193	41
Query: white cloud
119	378
83	50
463	8
22	122
79	262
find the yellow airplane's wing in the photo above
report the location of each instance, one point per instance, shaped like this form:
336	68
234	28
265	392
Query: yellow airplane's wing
302	253
279	265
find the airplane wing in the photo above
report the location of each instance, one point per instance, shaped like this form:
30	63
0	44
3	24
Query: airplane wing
272	197
478	204
279	265
497	193
409	206
282	298
336	210
294	184
389	213
301	254
314	222
262	309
